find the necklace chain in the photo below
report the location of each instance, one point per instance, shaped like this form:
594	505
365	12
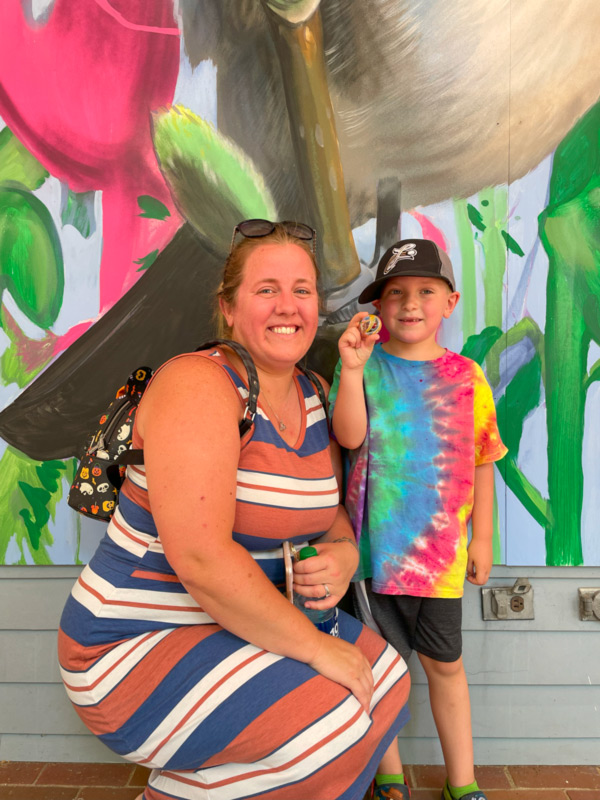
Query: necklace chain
280	422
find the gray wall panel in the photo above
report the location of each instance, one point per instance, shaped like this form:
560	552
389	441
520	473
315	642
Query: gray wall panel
51	747
500	658
33	603
520	712
38	708
517	711
532	658
28	657
415	750
534	685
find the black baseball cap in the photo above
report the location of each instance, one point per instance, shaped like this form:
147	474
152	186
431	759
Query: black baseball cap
419	257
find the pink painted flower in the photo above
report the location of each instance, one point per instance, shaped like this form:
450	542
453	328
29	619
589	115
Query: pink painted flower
78	89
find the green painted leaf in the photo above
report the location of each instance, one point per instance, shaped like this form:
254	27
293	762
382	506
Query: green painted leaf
522	395
479	345
511	244
31	263
594	374
576	160
77	209
146	261
30	492
17	164
475	217
24	358
50	473
152	208
214	183
36	522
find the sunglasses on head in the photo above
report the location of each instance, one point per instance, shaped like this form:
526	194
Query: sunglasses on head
256	228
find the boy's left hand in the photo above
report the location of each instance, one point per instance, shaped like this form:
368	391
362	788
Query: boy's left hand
479	563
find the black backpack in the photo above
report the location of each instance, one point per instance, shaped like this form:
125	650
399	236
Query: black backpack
95	488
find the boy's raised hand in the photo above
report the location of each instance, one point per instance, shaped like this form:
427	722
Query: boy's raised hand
355	346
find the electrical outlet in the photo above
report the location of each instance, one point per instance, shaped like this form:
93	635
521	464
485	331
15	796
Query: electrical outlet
508	602
589	605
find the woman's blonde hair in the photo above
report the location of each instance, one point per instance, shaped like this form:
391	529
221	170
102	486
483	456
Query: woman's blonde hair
233	272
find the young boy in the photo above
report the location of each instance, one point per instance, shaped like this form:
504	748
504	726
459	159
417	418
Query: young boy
422	423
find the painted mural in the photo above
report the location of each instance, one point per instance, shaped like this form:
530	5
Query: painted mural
134	134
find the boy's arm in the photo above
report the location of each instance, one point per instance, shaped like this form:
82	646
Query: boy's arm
349	420
480	553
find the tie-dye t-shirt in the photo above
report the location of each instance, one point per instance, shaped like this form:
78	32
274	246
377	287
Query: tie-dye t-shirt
410	485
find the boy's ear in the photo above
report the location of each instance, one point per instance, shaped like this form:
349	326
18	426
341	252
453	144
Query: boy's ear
453	299
377	304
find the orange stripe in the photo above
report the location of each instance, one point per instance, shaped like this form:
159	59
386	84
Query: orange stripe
292	713
136	494
387	672
281	721
125	532
75	657
155	576
138	685
203	699
273	770
262	454
110	669
334	778
277	523
292	492
129	604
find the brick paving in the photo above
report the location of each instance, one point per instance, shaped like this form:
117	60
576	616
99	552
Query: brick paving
28	780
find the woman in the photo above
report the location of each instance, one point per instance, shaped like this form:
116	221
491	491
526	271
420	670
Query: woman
177	649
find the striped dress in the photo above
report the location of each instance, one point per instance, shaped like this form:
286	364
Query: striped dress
216	718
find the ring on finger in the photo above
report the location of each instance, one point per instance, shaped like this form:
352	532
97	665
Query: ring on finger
327	592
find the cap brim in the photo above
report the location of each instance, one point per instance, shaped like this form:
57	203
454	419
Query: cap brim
373	290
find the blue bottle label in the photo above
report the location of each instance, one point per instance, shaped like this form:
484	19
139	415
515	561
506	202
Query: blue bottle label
331	625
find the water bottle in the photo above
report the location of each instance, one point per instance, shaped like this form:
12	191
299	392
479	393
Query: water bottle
326	619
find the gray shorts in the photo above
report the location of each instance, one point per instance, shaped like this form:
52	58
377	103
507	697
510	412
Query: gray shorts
429	625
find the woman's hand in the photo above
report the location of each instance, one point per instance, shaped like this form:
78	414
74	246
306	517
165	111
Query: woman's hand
333	566
345	664
355	346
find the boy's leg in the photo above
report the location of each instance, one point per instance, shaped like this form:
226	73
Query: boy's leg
438	642
389	781
391	763
397	627
451	708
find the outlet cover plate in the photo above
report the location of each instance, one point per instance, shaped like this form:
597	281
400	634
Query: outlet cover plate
515	602
589	604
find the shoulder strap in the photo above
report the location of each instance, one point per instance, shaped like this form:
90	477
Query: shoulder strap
253	384
317	384
137	456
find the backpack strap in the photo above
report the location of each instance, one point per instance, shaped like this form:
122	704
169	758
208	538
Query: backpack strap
136	457
253	385
316	383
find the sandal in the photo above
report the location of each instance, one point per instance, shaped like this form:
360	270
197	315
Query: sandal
478	795
392	791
